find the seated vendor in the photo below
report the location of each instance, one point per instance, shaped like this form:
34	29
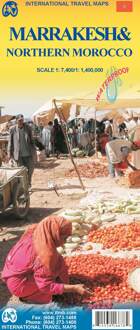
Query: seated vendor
117	151
34	270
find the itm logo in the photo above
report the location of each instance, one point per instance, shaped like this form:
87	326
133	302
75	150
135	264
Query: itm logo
10	8
9	314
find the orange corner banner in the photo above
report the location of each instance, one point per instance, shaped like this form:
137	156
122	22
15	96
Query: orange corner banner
124	6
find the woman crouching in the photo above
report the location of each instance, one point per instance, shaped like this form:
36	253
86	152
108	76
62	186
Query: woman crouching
34	270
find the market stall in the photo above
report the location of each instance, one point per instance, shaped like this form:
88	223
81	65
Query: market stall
103	250
47	113
91	107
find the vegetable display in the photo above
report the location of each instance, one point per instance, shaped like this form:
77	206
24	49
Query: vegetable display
106	278
118	237
76	152
100	206
90	170
82	222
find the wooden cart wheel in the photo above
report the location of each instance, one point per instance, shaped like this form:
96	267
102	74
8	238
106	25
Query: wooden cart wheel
21	202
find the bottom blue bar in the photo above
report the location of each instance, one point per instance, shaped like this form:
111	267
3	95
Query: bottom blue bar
43	318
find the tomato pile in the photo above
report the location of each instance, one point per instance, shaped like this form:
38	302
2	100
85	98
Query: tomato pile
119	237
104	276
90	170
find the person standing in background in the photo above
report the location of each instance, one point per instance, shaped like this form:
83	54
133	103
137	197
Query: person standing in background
115	129
21	146
58	139
41	126
46	138
108	129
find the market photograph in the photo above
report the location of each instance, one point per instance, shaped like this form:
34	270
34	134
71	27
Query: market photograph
69	165
70	204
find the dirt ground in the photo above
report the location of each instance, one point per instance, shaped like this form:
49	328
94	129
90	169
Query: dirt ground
46	201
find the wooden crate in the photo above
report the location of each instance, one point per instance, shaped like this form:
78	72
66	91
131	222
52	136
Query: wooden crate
131	179
6	195
134	179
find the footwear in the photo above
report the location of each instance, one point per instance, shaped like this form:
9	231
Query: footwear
22	299
25	301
